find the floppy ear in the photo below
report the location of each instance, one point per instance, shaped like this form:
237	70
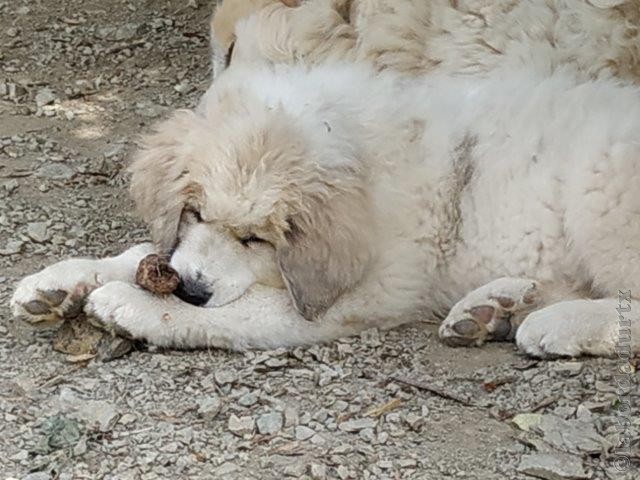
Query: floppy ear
326	251
223	24
159	182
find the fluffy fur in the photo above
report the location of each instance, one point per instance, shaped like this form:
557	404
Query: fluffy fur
600	38
310	205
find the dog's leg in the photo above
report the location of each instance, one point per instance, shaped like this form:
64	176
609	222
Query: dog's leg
603	327
491	312
263	318
59	290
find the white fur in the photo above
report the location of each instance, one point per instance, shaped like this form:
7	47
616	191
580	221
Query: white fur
522	176
598	38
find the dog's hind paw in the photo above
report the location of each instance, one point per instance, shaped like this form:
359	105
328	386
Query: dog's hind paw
491	312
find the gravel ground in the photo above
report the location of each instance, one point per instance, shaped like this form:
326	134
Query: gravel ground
78	81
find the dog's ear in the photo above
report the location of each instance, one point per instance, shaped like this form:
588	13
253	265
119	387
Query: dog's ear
159	181
226	16
326	251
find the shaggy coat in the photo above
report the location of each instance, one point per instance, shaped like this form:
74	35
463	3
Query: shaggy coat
302	205
599	38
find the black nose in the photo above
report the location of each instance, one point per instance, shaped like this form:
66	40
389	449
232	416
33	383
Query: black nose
193	292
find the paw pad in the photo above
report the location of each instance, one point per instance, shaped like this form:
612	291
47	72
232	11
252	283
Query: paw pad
48	306
492	312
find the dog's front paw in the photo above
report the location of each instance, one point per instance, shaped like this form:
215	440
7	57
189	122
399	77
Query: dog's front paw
570	329
491	312
128	311
55	293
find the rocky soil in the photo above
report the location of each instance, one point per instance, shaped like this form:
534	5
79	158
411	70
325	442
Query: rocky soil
78	81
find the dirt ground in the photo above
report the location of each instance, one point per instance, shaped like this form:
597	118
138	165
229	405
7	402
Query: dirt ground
78	81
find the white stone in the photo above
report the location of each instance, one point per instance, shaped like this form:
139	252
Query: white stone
241	426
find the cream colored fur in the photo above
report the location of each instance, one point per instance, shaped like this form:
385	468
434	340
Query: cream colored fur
317	203
599	38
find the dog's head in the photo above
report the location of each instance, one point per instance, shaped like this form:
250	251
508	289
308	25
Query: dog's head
243	195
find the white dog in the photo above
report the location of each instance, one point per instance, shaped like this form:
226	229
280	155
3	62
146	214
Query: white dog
304	205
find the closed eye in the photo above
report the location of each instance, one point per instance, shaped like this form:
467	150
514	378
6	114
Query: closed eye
227	58
246	241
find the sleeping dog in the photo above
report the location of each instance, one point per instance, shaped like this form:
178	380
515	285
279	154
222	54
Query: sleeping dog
303	204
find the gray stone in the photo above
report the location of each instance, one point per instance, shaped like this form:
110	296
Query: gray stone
225	469
80	448
20	456
584	414
150	110
10	185
126	32
128	418
45	96
12	247
223	377
318	439
304	433
248	399
38	231
553	466
569	369
291	417
573	436
414	421
270	423
99	412
343	472
564	411
16	91
357	425
55	171
407	463
114	150
317	471
171	447
183	87
296	470
367	435
209	407
37	476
